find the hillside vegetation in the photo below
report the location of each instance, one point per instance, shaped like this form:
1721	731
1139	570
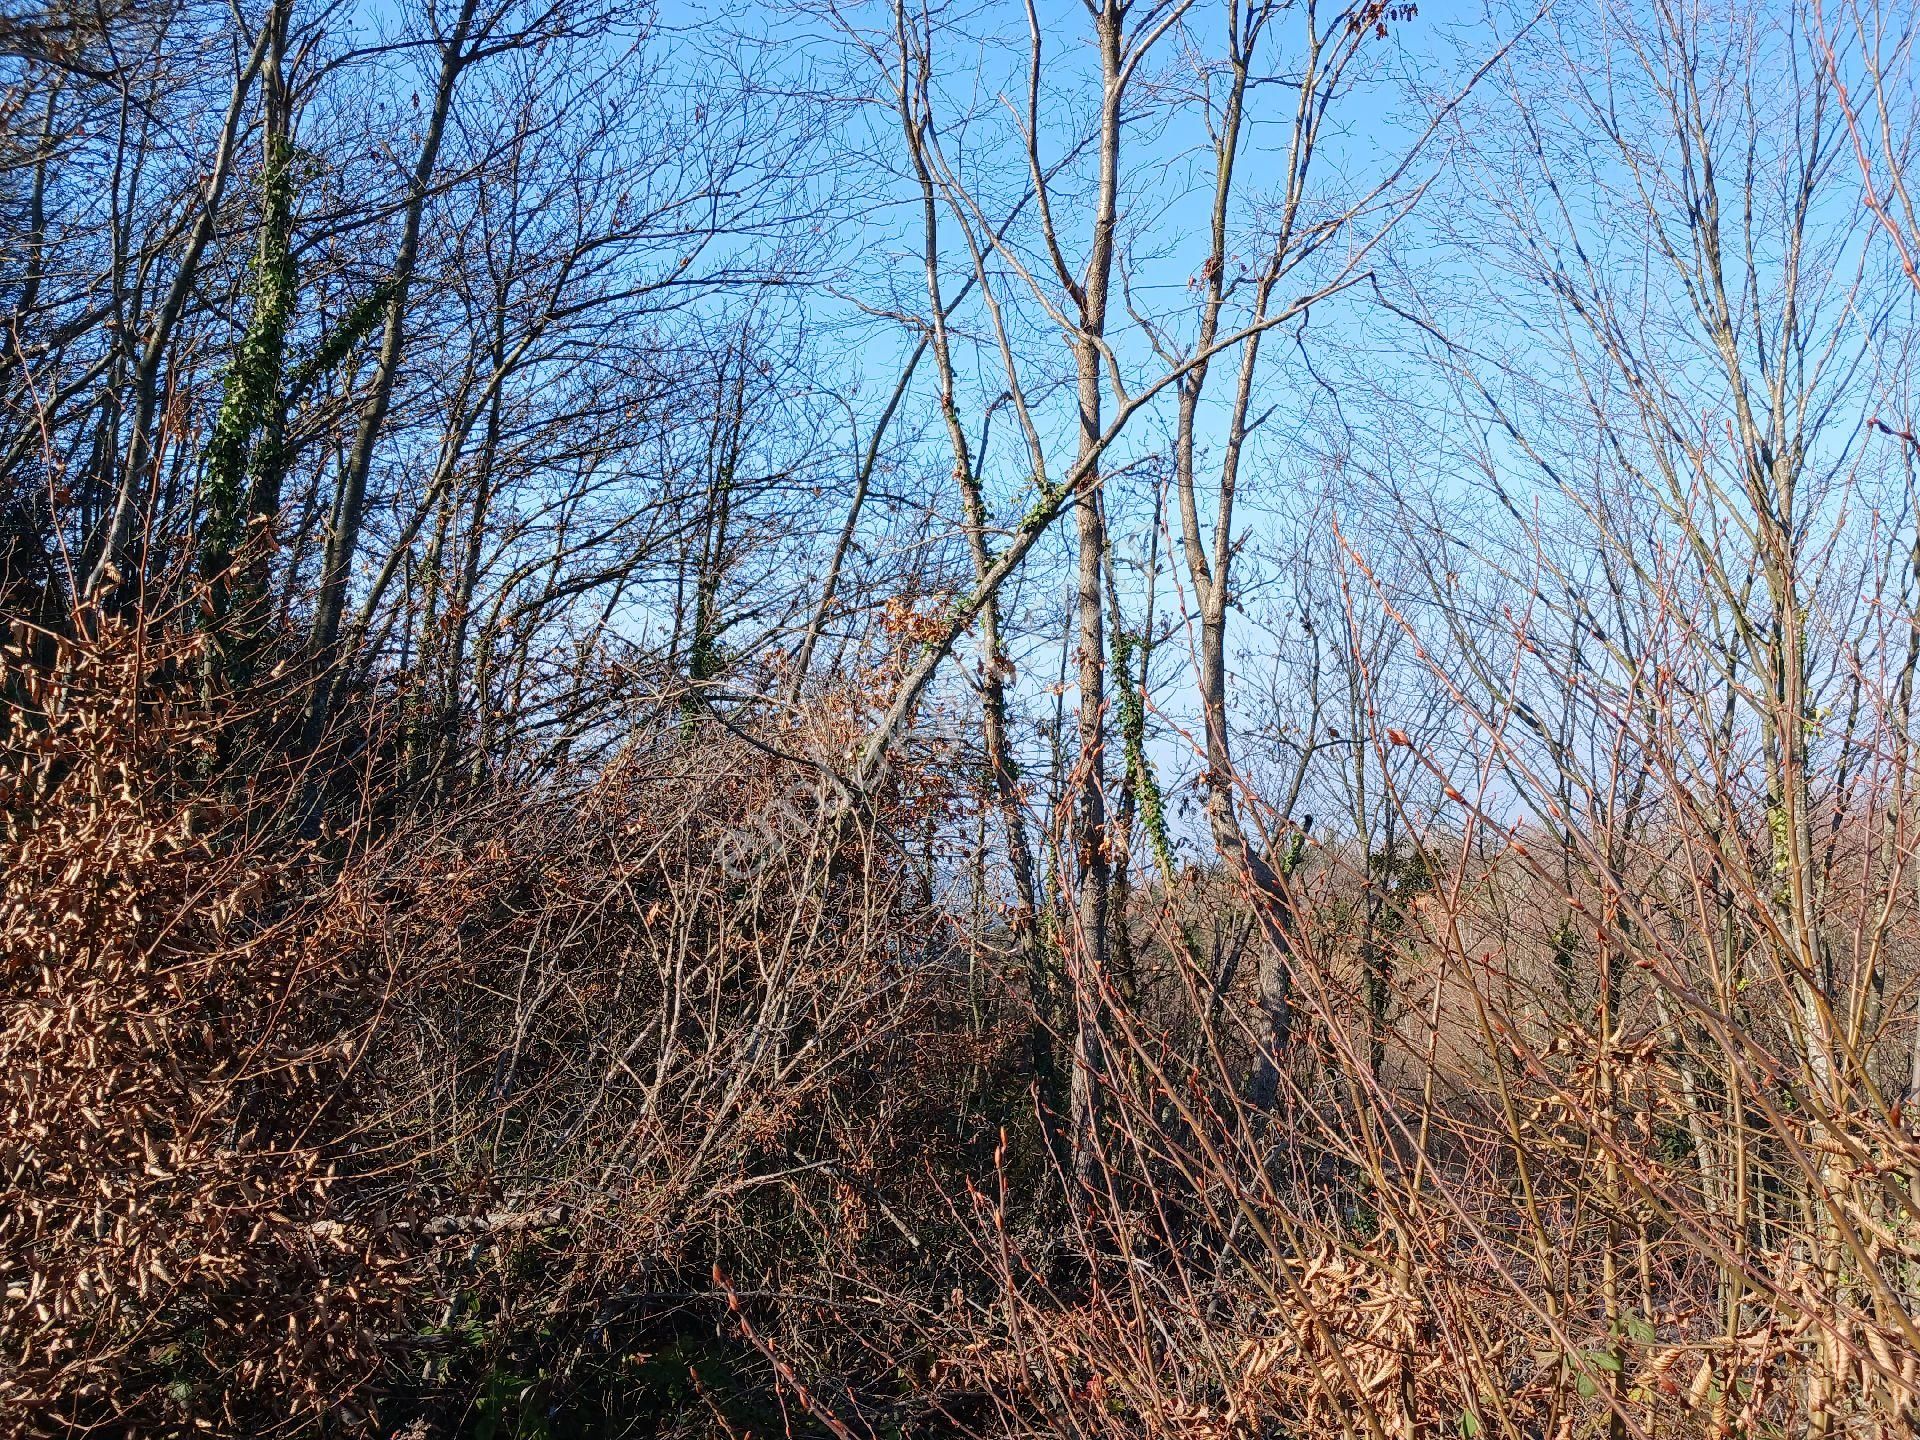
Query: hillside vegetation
1169	718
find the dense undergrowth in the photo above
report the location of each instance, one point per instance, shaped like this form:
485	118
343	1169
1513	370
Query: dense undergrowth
453	1118
542	1114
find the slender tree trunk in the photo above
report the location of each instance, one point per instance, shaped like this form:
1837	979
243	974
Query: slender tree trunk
1087	950
107	580
1264	884
254	379
343	535
724	448
1003	772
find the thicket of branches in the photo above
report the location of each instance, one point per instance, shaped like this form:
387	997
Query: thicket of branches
1160	718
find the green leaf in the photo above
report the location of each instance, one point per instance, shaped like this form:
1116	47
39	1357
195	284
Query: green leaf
1469	1424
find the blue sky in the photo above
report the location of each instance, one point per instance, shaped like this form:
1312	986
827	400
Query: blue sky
1357	402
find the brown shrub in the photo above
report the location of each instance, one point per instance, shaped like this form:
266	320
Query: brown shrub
182	1046
291	1133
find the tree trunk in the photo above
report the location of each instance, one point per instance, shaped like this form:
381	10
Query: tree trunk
343	535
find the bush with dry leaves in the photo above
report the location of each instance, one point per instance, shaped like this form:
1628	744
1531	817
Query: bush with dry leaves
182	1041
